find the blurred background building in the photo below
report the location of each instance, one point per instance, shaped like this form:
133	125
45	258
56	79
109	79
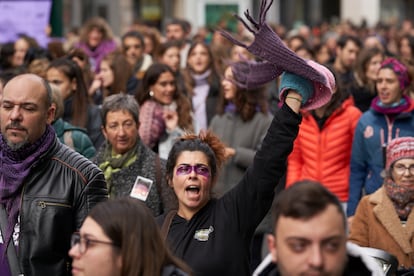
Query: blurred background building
66	14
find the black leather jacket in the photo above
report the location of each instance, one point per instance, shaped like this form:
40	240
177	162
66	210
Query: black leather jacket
57	195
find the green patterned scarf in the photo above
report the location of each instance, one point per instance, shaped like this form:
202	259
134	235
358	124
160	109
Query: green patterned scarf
115	162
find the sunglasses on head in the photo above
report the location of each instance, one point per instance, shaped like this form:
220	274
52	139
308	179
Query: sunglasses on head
199	169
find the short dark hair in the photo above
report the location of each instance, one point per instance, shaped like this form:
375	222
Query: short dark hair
343	40
304	200
117	102
134	34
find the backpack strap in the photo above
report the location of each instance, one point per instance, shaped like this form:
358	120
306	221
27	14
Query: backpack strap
165	228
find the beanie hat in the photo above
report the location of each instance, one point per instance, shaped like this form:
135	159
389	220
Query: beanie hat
399	69
399	148
268	46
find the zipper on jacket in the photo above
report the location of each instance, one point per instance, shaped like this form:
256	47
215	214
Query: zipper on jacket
44	204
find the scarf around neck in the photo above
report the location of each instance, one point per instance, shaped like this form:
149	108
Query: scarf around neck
402	197
14	168
394	109
113	162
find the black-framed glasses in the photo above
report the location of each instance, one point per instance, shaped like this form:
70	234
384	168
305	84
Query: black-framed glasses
83	243
400	169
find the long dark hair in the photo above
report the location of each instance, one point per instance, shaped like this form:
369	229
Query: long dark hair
151	76
131	227
247	102
72	71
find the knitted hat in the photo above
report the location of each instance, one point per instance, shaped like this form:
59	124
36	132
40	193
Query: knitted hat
268	46
399	148
399	69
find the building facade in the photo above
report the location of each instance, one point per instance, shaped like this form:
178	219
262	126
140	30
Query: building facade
120	14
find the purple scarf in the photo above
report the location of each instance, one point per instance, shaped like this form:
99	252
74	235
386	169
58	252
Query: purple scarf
394	109
96	55
14	168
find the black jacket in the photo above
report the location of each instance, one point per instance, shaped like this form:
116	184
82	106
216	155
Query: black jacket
57	195
216	241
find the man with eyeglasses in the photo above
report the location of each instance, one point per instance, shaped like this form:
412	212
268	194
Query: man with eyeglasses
46	188
384	219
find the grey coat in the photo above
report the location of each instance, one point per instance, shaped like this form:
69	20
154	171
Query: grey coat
245	138
161	197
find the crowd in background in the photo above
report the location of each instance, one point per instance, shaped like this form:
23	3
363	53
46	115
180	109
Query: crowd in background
181	81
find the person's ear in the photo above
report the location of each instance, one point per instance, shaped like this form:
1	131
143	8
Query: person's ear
74	85
51	114
119	262
271	245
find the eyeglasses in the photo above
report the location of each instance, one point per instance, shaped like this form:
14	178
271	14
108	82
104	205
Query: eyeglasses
400	169
84	242
199	169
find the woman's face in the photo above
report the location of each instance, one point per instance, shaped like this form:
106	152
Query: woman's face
198	59
149	45
94	37
57	77
322	56
229	88
401	174
388	86
120	130
106	74
99	258
21	46
171	57
373	66
240	53
192	189
164	88
405	49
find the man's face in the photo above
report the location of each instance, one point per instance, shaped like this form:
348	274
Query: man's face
316	246
175	32
23	112
348	55
133	49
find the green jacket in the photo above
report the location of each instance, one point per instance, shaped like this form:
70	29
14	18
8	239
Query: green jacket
74	137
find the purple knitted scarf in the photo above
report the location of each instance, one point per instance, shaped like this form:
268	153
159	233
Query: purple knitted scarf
15	165
394	109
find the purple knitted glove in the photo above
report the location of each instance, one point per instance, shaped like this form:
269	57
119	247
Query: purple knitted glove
268	46
251	75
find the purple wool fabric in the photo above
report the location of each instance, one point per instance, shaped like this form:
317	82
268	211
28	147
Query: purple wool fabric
278	58
399	69
14	168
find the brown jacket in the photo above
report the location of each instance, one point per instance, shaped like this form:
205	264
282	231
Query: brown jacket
376	224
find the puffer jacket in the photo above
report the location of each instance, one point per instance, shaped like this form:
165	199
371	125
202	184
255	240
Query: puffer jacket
78	138
373	131
57	195
324	155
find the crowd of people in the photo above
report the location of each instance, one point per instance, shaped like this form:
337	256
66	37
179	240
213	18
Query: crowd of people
161	153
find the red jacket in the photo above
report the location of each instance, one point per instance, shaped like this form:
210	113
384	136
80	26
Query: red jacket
324	155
